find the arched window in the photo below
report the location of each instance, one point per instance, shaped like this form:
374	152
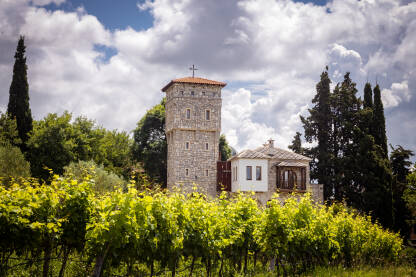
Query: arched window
288	179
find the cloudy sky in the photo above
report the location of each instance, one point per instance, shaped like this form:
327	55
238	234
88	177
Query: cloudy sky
108	59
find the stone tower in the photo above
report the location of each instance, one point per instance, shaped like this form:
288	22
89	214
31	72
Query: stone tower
193	126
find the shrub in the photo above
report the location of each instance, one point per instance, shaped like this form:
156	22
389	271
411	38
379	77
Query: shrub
104	181
12	164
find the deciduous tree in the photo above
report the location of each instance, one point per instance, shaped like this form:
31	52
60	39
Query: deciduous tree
400	164
150	146
225	149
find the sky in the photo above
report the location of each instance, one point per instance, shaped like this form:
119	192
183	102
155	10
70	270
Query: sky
108	60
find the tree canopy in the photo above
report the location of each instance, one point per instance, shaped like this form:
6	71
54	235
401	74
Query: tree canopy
296	145
225	149
56	141
150	146
8	130
12	164
401	166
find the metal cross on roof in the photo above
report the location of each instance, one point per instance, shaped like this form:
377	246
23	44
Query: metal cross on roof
193	68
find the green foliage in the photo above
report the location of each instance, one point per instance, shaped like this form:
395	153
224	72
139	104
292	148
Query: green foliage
140	233
349	160
379	121
8	131
37	218
103	180
52	145
150	146
12	164
368	96
296	145
400	164
409	195
56	141
225	149
18	106
317	128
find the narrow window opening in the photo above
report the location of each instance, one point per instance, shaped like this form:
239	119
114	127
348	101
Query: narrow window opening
206	146
248	173
186	172
187	145
207	114
258	173
206	172
188	113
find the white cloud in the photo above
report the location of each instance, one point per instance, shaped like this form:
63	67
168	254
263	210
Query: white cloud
46	2
397	93
270	52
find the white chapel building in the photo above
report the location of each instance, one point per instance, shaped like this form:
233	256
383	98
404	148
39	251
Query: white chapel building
193	127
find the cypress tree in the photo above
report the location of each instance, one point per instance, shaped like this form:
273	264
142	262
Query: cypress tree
368	96
18	107
345	108
318	128
296	145
379	122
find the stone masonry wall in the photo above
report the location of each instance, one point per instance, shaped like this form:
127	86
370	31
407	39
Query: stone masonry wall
193	142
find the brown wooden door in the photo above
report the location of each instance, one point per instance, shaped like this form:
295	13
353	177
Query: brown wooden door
223	176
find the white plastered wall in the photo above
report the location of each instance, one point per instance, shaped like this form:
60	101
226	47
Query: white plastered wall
242	184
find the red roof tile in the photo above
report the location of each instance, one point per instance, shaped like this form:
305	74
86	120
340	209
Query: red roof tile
194	80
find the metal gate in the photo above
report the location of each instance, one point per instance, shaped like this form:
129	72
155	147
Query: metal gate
223	176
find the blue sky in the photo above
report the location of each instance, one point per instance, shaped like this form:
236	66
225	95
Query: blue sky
113	14
108	60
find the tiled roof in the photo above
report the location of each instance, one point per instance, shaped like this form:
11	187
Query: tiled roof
288	163
250	154
194	80
277	153
269	152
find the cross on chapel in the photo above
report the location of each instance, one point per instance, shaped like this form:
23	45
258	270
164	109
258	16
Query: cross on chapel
193	68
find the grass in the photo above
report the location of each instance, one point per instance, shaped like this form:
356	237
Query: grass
363	271
385	271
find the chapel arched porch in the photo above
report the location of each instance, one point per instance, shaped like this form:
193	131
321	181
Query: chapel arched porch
291	176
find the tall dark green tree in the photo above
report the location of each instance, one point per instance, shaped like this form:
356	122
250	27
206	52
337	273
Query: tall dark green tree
296	145
400	164
18	106
317	127
150	146
379	121
345	107
368	96
370	175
